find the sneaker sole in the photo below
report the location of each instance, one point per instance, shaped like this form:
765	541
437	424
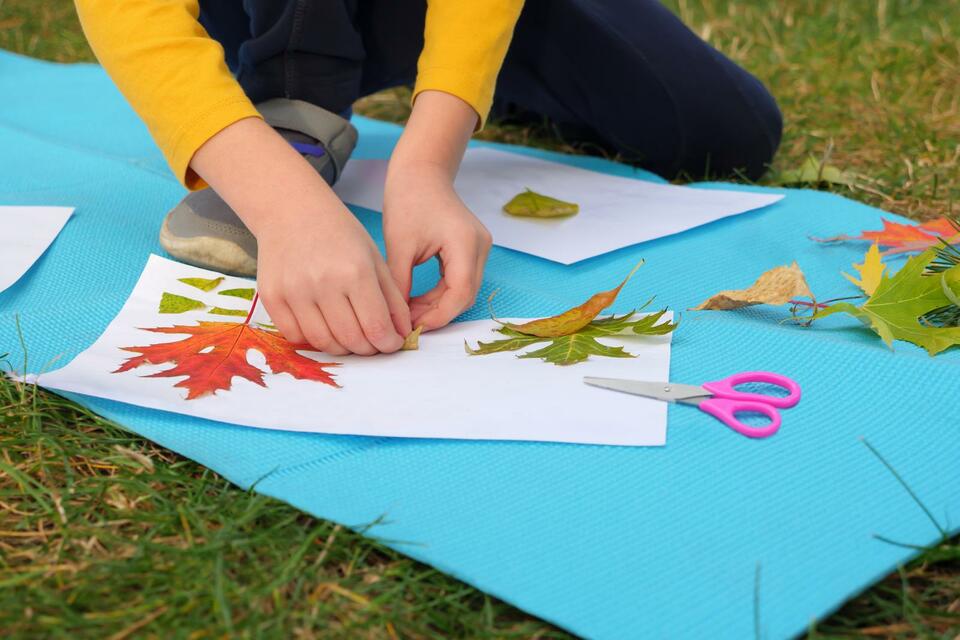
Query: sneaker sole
209	252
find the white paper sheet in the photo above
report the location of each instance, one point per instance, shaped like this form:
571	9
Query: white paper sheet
615	212
436	392
25	233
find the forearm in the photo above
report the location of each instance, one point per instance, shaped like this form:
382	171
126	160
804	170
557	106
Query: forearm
169	69
257	172
435	137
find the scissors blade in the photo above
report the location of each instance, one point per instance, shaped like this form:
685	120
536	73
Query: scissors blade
665	391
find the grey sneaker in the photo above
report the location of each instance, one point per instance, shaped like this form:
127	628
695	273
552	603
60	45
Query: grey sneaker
204	231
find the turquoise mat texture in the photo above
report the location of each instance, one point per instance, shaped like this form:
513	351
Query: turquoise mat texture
714	535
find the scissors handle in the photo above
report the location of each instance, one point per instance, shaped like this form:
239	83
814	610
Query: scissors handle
726	389
725	410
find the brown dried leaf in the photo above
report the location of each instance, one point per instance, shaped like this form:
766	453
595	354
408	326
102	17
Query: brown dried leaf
776	286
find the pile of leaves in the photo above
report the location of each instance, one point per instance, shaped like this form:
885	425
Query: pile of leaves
920	303
572	336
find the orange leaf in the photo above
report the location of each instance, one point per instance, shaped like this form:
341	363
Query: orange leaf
903	238
215	352
895	234
572	320
941	226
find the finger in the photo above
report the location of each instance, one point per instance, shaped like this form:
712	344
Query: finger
344	325
428	301
400	262
481	264
396	302
370	306
459	295
315	329
283	319
431	297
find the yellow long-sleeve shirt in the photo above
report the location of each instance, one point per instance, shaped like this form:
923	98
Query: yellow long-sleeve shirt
175	77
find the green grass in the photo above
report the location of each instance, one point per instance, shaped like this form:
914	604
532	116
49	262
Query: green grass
103	534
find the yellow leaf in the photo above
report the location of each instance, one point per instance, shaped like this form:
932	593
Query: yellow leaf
776	286
536	205
412	341
871	271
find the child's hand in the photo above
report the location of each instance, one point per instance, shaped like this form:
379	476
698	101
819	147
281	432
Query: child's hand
323	281
423	217
320	275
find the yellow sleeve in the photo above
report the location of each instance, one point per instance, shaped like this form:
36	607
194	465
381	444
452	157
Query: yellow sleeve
172	73
464	44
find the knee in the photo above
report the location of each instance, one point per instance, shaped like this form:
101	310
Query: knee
767	125
733	137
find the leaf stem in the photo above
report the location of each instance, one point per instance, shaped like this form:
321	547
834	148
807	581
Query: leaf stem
821	305
253	307
804	303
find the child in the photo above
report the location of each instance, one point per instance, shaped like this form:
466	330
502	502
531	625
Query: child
253	99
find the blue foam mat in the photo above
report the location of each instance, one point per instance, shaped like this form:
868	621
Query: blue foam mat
607	542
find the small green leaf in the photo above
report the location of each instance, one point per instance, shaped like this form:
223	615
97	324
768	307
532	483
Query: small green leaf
246	294
514	342
172	303
220	311
815	172
950	282
204	284
534	205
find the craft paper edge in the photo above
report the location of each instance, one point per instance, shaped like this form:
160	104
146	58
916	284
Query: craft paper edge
145	402
65	213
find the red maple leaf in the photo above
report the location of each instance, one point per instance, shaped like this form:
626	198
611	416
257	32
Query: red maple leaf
905	238
896	234
215	352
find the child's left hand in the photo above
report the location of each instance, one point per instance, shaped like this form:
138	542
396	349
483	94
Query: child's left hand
423	217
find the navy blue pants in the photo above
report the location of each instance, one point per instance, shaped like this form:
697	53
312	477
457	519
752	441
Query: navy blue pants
624	74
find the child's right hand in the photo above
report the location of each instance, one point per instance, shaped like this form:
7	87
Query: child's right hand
323	282
320	275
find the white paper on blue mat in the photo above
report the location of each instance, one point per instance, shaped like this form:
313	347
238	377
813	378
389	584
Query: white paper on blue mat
615	211
25	233
436	392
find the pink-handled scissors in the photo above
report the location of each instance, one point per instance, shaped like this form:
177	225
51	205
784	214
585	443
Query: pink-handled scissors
720	399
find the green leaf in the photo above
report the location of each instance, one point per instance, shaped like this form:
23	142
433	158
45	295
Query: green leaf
220	311
246	294
204	284
895	309
579	346
813	171
531	204
172	303
950	283
575	348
